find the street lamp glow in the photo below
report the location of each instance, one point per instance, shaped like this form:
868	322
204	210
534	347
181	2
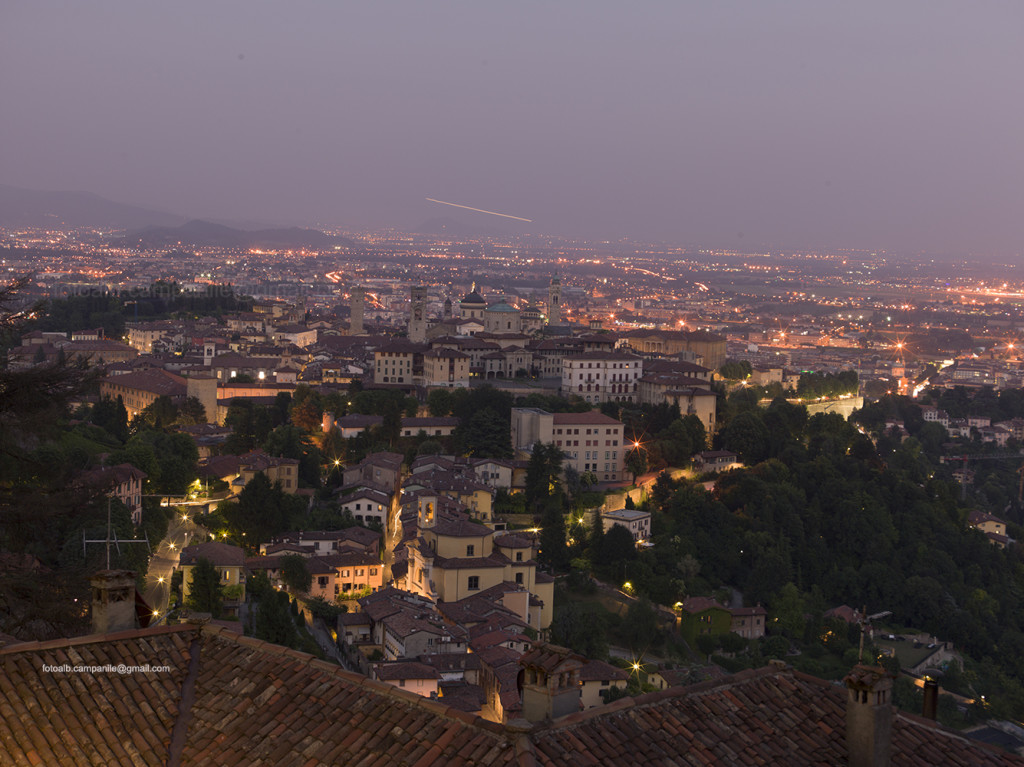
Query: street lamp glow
636	666
160	579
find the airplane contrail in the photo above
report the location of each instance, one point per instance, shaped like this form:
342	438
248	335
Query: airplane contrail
479	210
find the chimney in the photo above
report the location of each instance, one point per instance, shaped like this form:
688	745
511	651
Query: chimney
868	716
549	682
113	601
930	708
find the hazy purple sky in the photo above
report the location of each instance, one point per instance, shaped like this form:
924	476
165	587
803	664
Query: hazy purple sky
866	124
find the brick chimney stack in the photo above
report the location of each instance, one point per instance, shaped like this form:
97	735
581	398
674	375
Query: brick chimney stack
113	601
868	716
549	682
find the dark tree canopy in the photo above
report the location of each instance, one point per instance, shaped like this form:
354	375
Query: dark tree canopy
206	594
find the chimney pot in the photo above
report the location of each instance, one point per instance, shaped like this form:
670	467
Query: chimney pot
931	699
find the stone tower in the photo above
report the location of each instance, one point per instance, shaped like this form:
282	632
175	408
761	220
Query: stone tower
355	303
418	314
555	301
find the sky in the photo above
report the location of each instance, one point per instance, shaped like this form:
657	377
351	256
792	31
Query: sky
794	124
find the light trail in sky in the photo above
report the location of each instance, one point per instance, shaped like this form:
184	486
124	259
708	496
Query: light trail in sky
479	210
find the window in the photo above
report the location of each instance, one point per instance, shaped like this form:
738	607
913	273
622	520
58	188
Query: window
470	549
474	583
322	581
519	578
519	556
373	571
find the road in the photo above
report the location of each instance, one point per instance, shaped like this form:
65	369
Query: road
180	532
392	534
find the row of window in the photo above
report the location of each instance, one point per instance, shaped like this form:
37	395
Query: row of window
608	455
586	431
599	365
576	443
358	572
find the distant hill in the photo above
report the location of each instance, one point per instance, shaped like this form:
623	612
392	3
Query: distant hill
454	228
74	210
206	234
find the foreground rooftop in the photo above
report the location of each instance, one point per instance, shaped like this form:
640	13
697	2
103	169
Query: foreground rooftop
228	699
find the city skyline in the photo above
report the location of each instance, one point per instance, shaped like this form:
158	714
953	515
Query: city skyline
796	126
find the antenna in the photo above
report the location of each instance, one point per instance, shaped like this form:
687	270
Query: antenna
112	538
863	620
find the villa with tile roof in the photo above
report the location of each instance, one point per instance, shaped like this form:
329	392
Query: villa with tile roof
452	558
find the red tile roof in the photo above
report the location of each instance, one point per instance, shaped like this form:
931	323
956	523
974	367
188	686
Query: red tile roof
768	716
230	700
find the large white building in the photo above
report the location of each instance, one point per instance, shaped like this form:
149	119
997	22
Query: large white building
590	442
602	376
637	522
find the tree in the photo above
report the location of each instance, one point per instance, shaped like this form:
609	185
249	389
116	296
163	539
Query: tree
429	447
206	593
788	610
578	627
553	549
273	621
543	474
295	575
111	415
636	462
191	412
439	402
484	435
747	435
262	511
306	410
289	441
169	458
617	548
640	629
736	370
707	643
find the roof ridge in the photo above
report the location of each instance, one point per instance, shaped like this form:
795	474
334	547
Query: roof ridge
649	698
62	642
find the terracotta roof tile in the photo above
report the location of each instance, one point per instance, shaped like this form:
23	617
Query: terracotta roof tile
255	703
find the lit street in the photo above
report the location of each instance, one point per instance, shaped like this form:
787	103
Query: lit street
180	533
